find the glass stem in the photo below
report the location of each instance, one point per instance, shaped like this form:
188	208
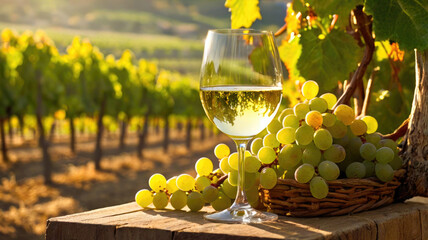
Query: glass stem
241	198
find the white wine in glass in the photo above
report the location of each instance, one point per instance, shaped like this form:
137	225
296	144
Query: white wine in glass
240	90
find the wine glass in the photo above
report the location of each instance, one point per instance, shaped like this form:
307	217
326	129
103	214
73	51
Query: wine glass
240	90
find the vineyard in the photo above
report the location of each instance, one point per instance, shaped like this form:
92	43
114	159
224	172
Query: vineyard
81	129
83	91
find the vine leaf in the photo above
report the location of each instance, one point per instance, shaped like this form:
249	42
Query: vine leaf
289	52
403	21
327	58
329	7
244	12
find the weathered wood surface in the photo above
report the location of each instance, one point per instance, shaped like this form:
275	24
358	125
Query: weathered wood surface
401	221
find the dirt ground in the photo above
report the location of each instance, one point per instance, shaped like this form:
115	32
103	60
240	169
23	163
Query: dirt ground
26	203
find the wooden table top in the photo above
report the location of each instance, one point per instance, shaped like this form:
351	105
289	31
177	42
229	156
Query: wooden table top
407	220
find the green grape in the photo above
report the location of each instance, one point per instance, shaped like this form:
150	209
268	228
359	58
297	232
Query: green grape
222	202
354	146
210	193
257	179
144	198
348	160
384	155
160	200
336	153
204	166
233	178
195	201
221	151
247	153
345	114
252	164
341	141
229	190
318	104
224	165
323	139
356	170
252	194
396	162
185	182
368	151
389	143
358	127
171	185
274	126
300	110
384	172
202	182
256	145
318	187
349	132
374	138
328	119
370	168
284	113
304	135
250	180
304	173
216	175
314	119
371	124
266	155
157	182
178	200
310	89
328	170
289	173
311	155
338	130
291	121
270	141
330	98
268	178
279	171
289	156
233	161
286	135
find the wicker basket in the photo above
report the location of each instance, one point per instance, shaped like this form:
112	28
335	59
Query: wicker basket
345	196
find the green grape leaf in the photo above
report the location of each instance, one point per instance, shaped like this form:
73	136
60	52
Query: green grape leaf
289	52
299	6
404	21
244	12
327	58
329	7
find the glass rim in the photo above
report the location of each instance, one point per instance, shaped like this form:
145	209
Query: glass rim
240	31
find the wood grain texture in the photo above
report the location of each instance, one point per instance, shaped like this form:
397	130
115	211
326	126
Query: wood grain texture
128	221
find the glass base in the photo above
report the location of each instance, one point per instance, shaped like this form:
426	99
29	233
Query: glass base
243	215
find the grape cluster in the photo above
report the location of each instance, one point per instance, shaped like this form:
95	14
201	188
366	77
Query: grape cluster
311	143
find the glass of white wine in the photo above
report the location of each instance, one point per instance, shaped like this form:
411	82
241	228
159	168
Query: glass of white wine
240	90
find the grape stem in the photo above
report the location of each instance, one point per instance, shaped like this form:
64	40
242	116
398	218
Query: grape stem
399	132
280	31
364	26
368	91
275	162
220	181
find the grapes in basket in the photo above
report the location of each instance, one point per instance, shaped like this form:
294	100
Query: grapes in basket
313	143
